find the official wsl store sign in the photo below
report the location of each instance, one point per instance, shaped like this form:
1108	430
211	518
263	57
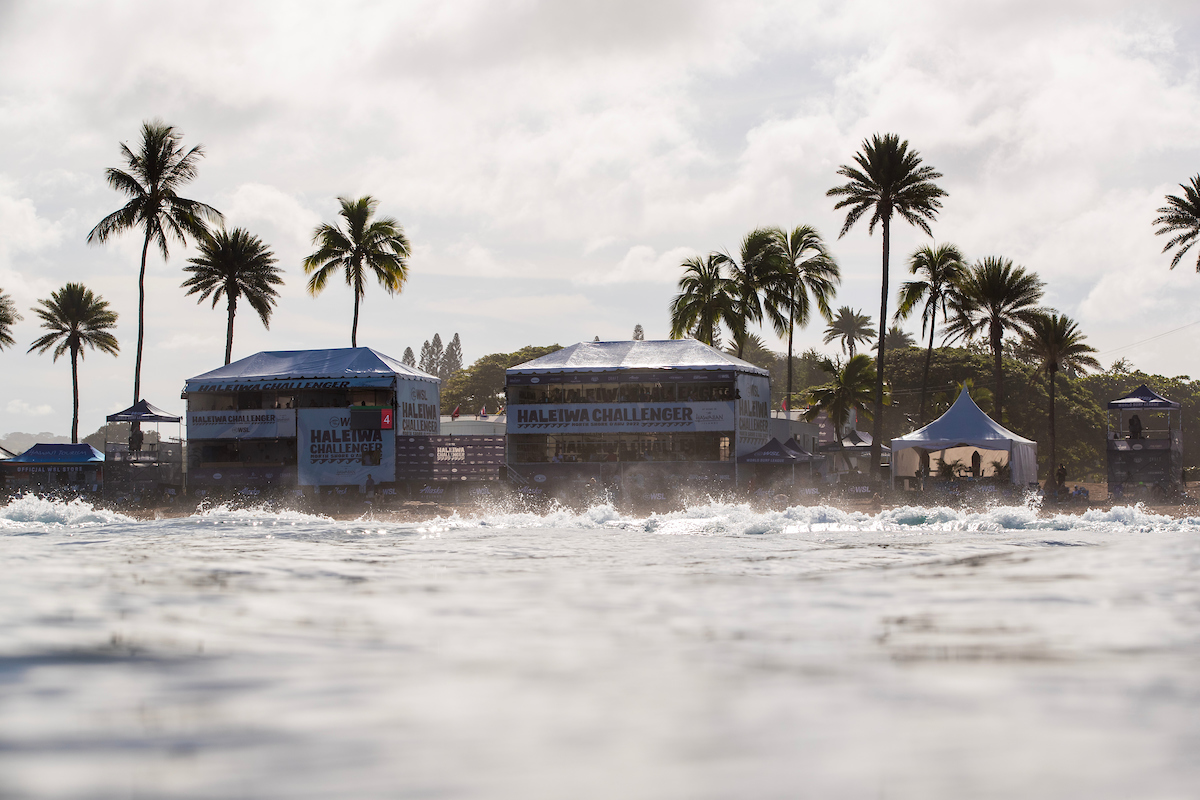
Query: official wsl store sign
332	453
247	424
622	417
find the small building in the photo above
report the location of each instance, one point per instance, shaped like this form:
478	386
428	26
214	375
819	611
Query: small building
307	418
140	465
75	468
651	413
1145	442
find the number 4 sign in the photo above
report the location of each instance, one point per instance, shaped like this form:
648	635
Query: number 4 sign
385	419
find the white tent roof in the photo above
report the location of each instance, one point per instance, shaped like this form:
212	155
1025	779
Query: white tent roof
963	424
354	366
661	354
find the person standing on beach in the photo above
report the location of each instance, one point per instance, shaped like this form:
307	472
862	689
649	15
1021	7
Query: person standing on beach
1061	477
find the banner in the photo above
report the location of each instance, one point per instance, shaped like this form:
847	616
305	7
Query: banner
753	412
259	423
419	404
449	458
622	417
288	384
331	453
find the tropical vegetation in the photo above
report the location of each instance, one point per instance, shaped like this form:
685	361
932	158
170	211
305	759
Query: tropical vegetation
1057	343
940	269
8	318
889	179
705	300
809	275
849	327
153	176
364	248
234	264
75	319
1180	219
849	389
992	298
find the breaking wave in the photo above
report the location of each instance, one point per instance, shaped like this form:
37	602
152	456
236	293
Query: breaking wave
21	512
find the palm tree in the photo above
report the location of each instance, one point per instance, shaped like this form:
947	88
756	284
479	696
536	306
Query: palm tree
155	174
75	317
1181	218
899	339
942	268
995	296
235	264
890	179
705	300
759	270
851	327
811	275
849	389
1057	342
378	246
8	318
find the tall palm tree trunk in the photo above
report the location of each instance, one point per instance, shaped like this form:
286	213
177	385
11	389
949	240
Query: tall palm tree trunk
791	329
997	370
75	394
137	364
229	325
925	375
877	427
1053	443
354	327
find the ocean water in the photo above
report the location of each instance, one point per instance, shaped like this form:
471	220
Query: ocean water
716	652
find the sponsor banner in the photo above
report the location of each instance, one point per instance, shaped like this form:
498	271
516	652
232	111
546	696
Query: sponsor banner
329	452
621	417
259	423
753	412
287	384
419	408
449	458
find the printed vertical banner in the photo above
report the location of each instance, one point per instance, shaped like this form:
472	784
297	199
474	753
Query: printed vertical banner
419	408
331	453
753	412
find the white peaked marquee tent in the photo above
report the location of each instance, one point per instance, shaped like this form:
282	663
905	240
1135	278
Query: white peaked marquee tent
960	432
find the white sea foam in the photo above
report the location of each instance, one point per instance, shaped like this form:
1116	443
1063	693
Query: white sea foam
39	512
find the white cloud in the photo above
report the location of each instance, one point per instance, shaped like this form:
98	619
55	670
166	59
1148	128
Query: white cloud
22	408
641	265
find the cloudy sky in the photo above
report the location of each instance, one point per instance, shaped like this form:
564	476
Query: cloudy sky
553	162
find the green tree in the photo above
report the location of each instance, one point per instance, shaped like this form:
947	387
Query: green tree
995	296
851	327
899	339
639	335
482	383
75	318
1180	219
234	264
365	247
8	318
759	282
705	300
889	179
152	180
849	390
755	351
941	268
1058	344
451	359
810	275
408	359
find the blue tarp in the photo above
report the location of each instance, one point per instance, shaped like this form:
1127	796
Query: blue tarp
59	454
634	355
307	369
770	453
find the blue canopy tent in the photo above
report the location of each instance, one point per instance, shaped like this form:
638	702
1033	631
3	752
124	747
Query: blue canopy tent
75	466
138	414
